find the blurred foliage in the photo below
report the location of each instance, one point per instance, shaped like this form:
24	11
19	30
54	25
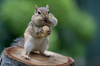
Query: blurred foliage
17	15
19	12
68	37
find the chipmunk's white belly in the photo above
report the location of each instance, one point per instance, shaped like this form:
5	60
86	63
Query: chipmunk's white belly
38	44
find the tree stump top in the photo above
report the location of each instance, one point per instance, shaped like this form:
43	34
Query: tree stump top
38	59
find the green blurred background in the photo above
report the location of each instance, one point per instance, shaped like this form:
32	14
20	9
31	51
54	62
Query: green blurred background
76	34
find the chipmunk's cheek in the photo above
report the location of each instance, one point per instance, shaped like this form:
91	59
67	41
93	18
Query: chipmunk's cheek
39	18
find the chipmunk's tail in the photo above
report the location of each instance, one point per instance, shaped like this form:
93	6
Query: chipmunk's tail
18	42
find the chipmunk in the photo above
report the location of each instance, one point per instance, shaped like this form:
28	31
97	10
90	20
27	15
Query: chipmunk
33	38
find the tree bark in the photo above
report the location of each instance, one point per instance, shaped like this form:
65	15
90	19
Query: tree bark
12	56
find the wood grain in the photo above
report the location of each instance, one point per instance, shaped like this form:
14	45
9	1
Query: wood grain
13	55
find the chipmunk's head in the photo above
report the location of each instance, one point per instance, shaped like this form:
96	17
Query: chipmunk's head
43	16
42	11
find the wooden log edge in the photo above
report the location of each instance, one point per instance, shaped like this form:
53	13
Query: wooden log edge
10	54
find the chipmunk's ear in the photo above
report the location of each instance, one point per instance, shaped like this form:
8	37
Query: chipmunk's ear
47	6
36	9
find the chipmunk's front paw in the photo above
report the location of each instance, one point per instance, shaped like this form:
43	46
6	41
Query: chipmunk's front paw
26	57
49	32
41	30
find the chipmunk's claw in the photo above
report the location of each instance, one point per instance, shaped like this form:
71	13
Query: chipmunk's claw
49	32
41	30
47	55
26	57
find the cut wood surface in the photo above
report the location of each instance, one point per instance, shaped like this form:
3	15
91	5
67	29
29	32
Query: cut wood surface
13	55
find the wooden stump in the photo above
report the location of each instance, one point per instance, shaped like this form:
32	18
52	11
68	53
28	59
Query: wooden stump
12	57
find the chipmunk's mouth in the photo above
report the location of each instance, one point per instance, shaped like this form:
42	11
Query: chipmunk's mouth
46	21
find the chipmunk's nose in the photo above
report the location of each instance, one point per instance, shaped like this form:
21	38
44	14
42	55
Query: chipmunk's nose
45	18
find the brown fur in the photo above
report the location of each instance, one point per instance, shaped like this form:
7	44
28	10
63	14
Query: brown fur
34	41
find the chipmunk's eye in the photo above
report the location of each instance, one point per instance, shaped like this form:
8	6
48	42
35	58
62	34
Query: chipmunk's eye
48	12
39	12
